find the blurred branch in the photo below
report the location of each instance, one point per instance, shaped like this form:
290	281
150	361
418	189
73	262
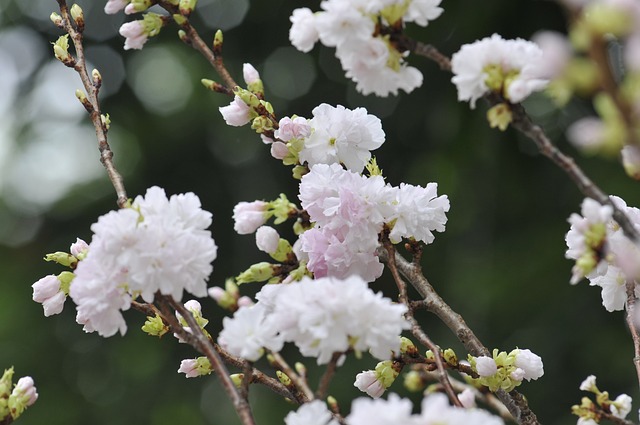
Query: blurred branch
92	85
630	315
327	376
523	123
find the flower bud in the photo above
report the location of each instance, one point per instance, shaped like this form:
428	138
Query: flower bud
218	40
23	395
62	258
193	368
56	19
155	326
259	272
78	16
187	6
79	249
500	116
97	78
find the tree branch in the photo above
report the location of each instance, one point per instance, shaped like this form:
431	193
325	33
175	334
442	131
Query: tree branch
93	107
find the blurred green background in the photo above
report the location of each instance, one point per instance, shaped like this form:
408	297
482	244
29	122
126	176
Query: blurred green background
500	263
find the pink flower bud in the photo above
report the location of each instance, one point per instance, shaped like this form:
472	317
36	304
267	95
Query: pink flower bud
250	74
279	150
114	6
216	293
267	239
245	301
190	368
135	35
297	128
248	216
79	248
368	382
236	114
25	389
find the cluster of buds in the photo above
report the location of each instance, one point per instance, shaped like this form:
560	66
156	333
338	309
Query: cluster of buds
15	399
590	413
51	291
506	370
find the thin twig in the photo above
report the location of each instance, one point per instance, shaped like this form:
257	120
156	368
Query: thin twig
631	306
204	345
416	330
327	376
297	380
106	154
197	43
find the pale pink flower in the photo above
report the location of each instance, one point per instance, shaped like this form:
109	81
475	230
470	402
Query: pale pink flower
303	33
248	216
367	382
114	6
135	35
296	128
250	74
486	366
279	150
47	292
237	113
267	239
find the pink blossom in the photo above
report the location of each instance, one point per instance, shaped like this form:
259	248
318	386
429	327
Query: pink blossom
135	35
267	239
237	113
47	292
250	74
114	6
248	216
368	382
279	150
297	128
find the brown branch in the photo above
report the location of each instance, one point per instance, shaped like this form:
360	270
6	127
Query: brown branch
517	405
199	341
631	306
416	330
327	376
297	380
106	155
197	43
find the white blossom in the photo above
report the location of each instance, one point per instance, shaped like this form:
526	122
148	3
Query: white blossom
247	332
486	366
267	239
303	33
341	135
589	384
621	406
47	292
530	363
157	245
368	382
508	66
393	411
248	216
312	413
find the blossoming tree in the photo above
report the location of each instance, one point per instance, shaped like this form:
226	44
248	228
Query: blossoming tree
347	224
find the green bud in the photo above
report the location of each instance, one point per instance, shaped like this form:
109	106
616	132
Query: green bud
97	78
182	35
5	391
62	258
237	379
261	124
259	272
106	120
413	381
187	6
56	19
282	209
141	5
450	357
82	97
333	403
231	287
217	42
500	116
408	347
78	16
152	23
283	378
65	279
180	20
247	97
386	373
154	326
300	368
603	19
283	251
430	356
299	171
61	50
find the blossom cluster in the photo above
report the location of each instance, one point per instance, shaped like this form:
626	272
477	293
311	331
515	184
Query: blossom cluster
15	399
395	410
603	254
507	371
349	211
155	245
321	317
511	68
368	56
137	32
589	413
